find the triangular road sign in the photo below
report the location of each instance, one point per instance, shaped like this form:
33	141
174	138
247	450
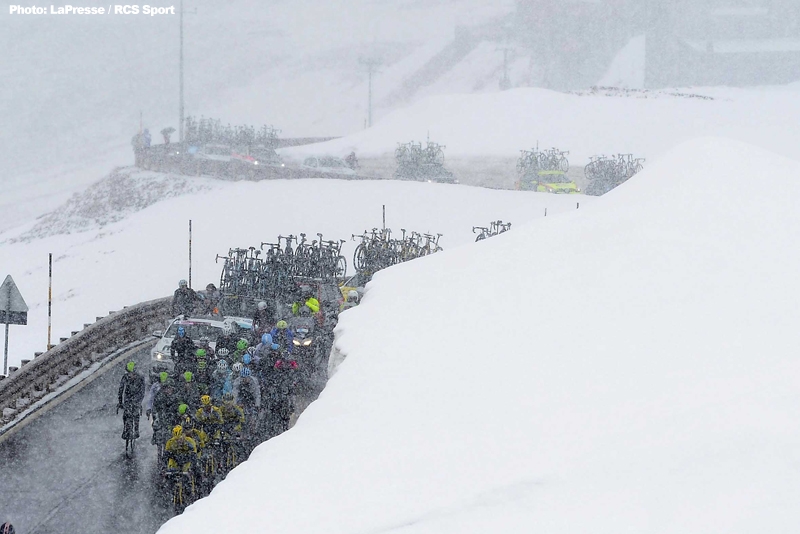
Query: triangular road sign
13	309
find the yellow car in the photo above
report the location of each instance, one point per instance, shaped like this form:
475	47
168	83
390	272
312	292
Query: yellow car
549	182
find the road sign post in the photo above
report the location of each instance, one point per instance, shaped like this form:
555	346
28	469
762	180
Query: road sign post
13	310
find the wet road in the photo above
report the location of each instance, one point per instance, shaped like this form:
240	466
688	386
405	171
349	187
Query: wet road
67	472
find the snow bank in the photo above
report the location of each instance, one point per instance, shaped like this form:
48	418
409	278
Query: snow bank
646	124
114	245
628	367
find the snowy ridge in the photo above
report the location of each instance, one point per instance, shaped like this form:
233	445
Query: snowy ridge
627	367
123	192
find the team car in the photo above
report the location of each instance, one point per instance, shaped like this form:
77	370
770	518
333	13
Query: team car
549	182
199	330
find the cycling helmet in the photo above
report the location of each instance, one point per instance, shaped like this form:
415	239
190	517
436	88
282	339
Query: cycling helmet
262	305
7	528
282	324
211	287
188	376
177	430
251	351
182	408
222	365
201	353
130	366
181	331
227	397
352	296
242	344
265	339
227	329
223	352
246	359
205	400
163	376
182	283
245	372
237	367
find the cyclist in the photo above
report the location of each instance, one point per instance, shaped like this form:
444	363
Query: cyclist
226	343
284	380
208	419
190	428
188	393
247	392
165	407
182	350
130	396
264	319
184	299
208	416
203	373
283	337
232	415
241	348
155	387
221	380
233	420
181	450
307	298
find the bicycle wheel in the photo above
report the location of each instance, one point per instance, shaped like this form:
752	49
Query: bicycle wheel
341	267
359	257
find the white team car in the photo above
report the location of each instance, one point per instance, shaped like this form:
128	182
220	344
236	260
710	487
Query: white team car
196	328
328	165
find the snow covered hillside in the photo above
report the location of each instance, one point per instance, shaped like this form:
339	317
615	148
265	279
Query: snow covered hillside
647	124
125	239
628	367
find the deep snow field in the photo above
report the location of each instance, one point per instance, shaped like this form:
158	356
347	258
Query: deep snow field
125	239
626	367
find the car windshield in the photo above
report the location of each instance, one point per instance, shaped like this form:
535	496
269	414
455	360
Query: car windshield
196	331
331	162
556	178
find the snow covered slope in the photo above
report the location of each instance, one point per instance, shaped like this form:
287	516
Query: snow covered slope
628	367
124	240
474	126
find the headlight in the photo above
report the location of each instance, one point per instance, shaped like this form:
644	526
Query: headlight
296	342
159	356
307	342
255	163
282	165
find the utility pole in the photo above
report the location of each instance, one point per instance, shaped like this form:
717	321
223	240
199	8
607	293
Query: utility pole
180	104
180	73
372	64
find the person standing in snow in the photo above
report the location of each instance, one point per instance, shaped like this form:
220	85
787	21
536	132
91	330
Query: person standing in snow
184	299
